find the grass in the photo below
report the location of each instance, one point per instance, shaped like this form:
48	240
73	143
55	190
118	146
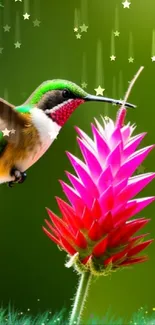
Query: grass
11	317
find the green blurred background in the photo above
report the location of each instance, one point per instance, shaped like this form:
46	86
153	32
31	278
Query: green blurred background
32	272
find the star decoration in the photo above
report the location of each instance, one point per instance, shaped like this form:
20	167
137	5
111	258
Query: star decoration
26	16
36	23
84	85
53	136
75	29
130	59
153	58
99	91
117	33
78	36
83	28
17	45
18	0
112	57
126	4
1	50
6	28
6	132
13	131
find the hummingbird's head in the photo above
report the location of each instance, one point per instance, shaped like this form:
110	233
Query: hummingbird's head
59	98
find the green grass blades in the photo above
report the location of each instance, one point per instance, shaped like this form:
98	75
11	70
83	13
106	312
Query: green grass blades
11	317
142	317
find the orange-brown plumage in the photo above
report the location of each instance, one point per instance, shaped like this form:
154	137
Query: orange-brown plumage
19	148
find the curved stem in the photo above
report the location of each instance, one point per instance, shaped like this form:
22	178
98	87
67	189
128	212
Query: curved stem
80	298
131	85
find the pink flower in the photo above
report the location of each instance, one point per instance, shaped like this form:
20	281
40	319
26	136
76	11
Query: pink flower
95	228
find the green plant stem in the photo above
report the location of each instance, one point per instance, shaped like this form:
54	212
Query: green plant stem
80	298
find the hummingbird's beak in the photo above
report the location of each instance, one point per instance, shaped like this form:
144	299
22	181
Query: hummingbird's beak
107	100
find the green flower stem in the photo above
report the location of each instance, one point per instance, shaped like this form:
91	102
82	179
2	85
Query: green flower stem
80	298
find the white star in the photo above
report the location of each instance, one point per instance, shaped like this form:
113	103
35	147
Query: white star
13	131
131	59
17	45
112	57
6	132
6	28
84	85
36	23
153	58
99	91
78	36
75	29
83	28
18	0
53	134
26	16
126	4
117	33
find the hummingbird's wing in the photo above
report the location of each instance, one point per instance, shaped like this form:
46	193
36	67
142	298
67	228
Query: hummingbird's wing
12	123
7	103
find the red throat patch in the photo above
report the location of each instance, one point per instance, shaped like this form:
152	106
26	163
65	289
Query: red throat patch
62	114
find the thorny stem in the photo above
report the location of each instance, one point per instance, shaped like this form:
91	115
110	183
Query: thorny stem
80	298
122	111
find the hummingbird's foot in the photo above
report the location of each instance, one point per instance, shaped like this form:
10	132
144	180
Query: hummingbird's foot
19	177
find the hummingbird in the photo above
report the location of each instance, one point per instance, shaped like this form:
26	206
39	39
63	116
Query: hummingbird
28	130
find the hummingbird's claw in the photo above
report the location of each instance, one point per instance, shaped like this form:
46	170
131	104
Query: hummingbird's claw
19	177
10	184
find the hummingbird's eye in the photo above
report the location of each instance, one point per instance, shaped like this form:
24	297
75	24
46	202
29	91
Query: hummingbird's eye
66	93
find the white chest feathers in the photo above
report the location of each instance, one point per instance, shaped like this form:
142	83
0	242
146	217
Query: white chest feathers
48	131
